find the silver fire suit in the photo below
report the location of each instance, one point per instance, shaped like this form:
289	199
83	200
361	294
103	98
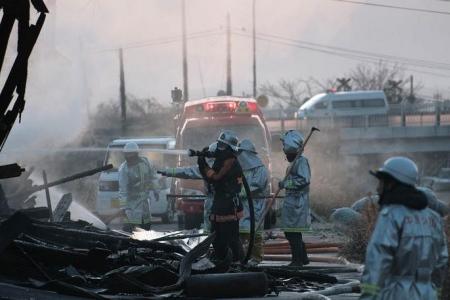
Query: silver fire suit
193	172
406	256
258	179
295	213
135	182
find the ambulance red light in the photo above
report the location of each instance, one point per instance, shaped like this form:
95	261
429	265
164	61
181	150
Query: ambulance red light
252	106
220	107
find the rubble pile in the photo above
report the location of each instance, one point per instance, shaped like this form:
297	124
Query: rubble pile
77	260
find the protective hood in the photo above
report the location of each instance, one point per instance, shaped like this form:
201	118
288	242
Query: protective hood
292	141
249	160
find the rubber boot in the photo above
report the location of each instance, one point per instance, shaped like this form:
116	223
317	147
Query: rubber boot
304	256
295	250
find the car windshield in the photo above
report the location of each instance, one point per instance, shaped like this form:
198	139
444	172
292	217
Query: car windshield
116	158
200	137
311	102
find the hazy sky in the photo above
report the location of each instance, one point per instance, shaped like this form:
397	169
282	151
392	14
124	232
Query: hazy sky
75	66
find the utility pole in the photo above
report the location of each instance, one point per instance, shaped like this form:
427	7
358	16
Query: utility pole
123	97
254	49
84	80
185	65
229	83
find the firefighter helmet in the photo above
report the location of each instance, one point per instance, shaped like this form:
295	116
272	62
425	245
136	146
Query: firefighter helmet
400	168
131	147
228	137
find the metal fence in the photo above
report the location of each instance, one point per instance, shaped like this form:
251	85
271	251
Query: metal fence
423	114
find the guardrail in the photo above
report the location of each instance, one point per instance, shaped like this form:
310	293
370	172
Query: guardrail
424	114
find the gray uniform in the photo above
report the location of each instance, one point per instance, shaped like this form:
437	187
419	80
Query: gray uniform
295	212
135	182
406	247
257	178
193	172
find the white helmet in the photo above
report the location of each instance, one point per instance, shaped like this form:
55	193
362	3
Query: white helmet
131	147
229	138
400	168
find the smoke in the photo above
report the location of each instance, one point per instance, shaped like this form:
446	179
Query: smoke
75	63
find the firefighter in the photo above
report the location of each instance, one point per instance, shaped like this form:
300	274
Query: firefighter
407	253
295	213
257	178
226	210
136	178
193	172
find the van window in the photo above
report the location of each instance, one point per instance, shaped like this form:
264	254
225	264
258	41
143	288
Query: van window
373	103
321	105
344	104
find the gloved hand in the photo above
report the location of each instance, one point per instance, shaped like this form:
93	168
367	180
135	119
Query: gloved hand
281	184
206	149
162	172
201	161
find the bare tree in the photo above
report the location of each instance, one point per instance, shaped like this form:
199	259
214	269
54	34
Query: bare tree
148	111
382	76
375	77
292	93
378	76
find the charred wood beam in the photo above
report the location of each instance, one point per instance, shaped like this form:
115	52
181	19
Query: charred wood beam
82	237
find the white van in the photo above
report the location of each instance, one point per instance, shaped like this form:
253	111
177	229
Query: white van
107	203
344	104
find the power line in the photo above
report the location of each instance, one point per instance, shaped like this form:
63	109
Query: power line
353	54
165	40
433	64
396	7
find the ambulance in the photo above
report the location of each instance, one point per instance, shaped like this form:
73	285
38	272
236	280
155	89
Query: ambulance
198	125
